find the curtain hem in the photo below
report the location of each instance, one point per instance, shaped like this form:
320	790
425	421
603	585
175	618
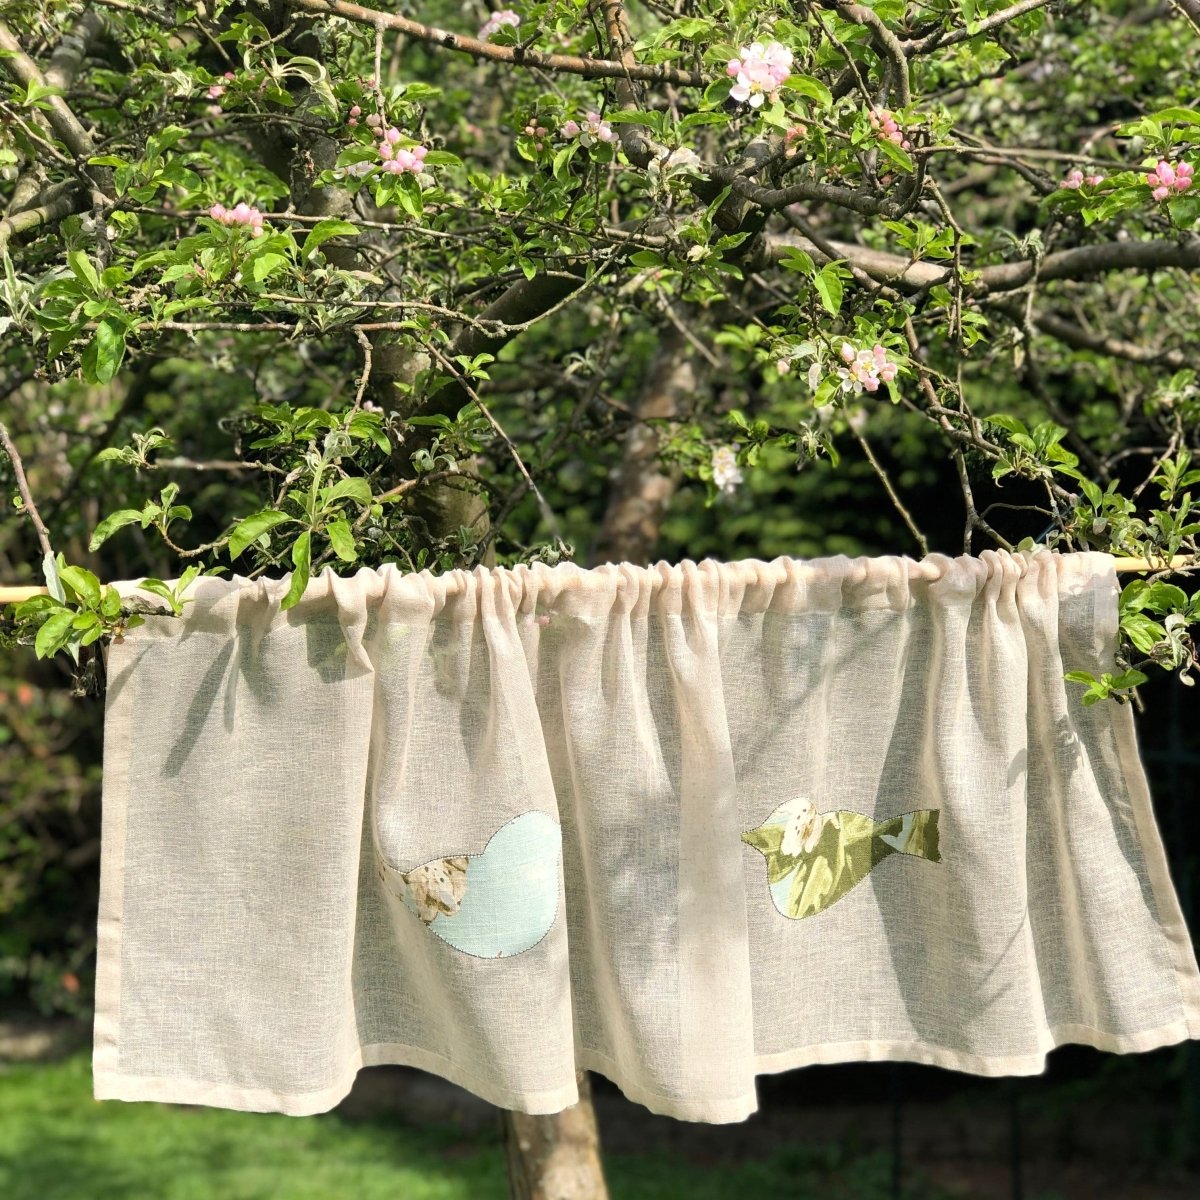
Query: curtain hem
113	1085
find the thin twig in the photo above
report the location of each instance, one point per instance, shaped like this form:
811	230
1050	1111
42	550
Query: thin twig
974	520
877	466
23	487
365	343
547	512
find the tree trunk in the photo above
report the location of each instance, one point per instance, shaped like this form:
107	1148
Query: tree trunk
642	489
558	1157
555	1157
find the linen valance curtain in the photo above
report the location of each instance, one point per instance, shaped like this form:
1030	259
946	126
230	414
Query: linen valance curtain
679	825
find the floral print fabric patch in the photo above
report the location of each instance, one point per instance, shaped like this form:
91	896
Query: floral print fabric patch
815	858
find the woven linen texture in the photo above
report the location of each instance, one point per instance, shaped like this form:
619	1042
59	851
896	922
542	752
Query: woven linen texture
678	825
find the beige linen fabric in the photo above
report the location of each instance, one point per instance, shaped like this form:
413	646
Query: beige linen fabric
331	836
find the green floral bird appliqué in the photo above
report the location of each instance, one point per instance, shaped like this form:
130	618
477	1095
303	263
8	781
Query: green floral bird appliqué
815	858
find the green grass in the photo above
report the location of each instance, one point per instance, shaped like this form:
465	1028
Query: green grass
57	1143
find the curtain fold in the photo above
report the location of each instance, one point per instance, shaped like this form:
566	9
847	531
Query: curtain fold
680	825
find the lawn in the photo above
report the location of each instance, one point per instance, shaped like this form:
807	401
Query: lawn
57	1143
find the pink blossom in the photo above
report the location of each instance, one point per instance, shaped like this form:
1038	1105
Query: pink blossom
497	21
374	120
215	92
1169	177
594	129
356	111
760	71
241	214
795	134
1073	181
886	125
398	160
784	366
1094	180
393	158
865	370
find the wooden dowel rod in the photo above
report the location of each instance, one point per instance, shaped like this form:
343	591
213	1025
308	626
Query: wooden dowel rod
14	595
1178	563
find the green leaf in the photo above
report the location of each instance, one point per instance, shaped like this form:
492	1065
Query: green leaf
301	555
83	583
251	528
93	634
82	269
54	633
265	265
702	118
1128	679
34	605
806	85
1180	116
897	154
646	258
562	159
1184	210
113	522
110	603
407	194
829	288
341	538
102	356
797	260
1165	597
1144	632
322	231
357	489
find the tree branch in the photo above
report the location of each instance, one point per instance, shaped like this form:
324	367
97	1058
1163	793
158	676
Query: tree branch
56	203
65	124
940	38
64	65
888	44
1079	262
1084	339
517	56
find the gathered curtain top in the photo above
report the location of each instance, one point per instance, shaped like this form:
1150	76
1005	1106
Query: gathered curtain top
784	585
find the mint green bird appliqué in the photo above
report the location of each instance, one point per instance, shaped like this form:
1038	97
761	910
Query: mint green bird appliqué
494	904
815	858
